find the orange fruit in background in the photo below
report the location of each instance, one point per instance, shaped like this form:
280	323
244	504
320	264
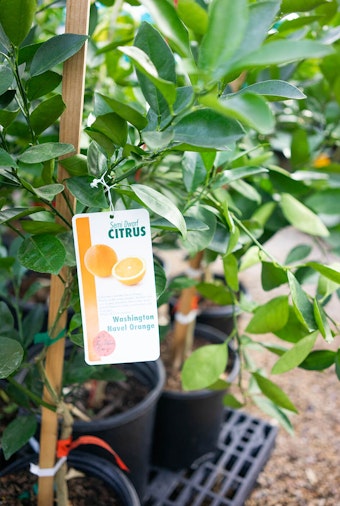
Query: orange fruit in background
99	260
129	271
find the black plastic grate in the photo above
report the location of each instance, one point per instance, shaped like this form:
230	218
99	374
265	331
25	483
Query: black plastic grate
224	478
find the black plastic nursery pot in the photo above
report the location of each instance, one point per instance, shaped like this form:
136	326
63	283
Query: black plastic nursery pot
130	433
115	480
188	423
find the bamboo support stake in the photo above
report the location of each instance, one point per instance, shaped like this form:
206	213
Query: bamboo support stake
77	21
183	332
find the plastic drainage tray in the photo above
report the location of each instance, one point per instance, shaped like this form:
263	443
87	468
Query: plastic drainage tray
225	477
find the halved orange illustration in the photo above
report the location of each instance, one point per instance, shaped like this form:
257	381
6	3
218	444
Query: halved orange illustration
129	271
99	260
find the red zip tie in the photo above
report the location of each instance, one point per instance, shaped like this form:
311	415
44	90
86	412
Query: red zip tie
64	446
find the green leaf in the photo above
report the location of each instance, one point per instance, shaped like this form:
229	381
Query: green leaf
17	434
231	401
6	78
324	202
273	411
16	18
337	364
144	64
6	160
46	151
198	240
76	165
42	84
169	24
294	330
230	175
10	357
160	205
230	267
301	303
298	253
274	90
150	41
301	217
274	392
194	15
16	213
41	227
207	128
325	270
126	110
204	366
227	24
80	187
56	50
47	113
248	108
296	355
270	317
272	276
282	51
42	253
288	6
318	360
300	150
160	279
112	126
322	322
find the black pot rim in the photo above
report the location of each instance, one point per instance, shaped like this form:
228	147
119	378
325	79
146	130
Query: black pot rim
218	336
137	410
91	464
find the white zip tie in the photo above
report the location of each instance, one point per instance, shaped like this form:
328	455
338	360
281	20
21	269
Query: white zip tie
193	273
49	471
186	318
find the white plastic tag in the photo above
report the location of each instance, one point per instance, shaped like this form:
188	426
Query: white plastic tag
117	286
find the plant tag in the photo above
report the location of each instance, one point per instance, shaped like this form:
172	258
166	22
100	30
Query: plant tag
117	286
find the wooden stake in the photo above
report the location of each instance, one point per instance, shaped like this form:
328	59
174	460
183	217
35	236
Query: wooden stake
77	21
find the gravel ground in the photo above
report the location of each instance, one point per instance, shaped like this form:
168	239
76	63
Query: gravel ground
304	468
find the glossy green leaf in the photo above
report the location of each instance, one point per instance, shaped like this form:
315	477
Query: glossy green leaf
230	267
7	117
301	303
194	172
227	24
322	322
296	355
300	150
112	126
270	317
274	392
288	6
318	360
294	330
42	253
165	16
76	165
10	357
160	279
199	240
144	64
42	227
160	205
337	364
204	366
282	51
42	84
207	129
216	292
16	213
80	187
324	201
56	50
49	191
6	159
16	18
301	217
274	90
126	110
274	411
231	401
230	175
194	15
329	272
272	276
150	41
248	108
6	78
17	434
47	113
298	253
46	151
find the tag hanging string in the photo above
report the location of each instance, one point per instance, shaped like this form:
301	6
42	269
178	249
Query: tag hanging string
107	189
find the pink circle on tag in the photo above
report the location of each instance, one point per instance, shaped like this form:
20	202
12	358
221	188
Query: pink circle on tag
104	343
